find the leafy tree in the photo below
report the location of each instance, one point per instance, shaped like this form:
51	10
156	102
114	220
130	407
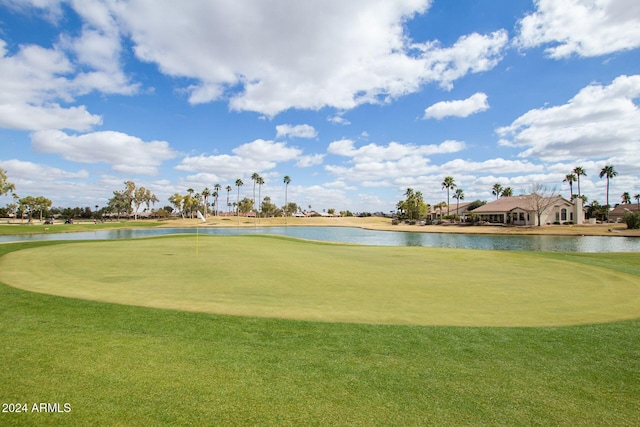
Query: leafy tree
570	178
413	206
609	172
448	184
176	200
245	205
31	205
269	209
6	187
475	204
579	171
496	190
289	209
632	220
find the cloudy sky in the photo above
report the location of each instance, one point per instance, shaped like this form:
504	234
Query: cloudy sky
354	100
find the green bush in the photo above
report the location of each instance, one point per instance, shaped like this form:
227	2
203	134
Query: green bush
632	220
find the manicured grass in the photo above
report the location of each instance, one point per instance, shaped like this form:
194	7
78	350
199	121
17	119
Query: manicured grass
285	278
60	227
125	365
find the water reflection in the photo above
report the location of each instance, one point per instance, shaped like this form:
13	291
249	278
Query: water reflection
371	237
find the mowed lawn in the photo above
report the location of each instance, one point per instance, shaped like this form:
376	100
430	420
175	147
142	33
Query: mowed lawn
119	364
277	277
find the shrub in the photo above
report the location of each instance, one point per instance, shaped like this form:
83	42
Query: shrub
632	220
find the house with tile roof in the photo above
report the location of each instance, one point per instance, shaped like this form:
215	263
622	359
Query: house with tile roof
525	210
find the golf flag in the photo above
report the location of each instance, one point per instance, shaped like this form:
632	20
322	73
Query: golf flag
200	216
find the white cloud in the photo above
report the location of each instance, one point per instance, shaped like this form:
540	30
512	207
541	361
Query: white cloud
28	170
48	116
392	151
256	156
297	131
498	165
125	153
598	123
373	162
582	27
311	160
267	60
267	150
459	108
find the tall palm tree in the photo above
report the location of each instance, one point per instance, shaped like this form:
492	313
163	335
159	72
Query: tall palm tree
260	182
609	172
626	198
239	184
496	190
216	189
579	171
254	178
228	191
458	195
287	181
570	178
449	184
637	197
205	194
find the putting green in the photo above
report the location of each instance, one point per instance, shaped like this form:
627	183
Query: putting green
277	277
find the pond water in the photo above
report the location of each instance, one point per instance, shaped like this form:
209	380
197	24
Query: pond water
371	237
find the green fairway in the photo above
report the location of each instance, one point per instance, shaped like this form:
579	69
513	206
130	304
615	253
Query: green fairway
284	278
123	365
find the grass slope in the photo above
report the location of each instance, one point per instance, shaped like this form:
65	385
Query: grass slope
280	277
123	365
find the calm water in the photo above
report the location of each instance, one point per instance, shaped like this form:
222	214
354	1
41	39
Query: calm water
378	238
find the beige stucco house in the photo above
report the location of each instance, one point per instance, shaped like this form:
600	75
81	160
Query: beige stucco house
523	210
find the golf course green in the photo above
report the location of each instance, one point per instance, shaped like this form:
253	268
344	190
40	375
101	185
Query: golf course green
276	277
93	363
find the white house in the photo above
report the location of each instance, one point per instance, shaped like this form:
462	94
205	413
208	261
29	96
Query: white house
523	210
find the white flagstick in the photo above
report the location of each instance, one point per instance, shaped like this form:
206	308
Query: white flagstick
201	217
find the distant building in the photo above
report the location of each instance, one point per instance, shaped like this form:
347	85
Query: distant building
616	214
523	210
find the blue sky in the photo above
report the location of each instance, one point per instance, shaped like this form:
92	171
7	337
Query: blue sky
355	101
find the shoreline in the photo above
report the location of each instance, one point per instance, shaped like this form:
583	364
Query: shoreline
384	224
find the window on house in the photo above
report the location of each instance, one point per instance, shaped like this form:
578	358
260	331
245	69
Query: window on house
564	214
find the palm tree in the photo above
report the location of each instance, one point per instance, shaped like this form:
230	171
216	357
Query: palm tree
228	191
254	178
239	184
496	190
579	171
205	194
626	198
260	182
507	192
287	181
449	184
216	193
637	197
570	178
609	172
458	195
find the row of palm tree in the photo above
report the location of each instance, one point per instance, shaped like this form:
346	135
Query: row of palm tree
257	180
608	172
